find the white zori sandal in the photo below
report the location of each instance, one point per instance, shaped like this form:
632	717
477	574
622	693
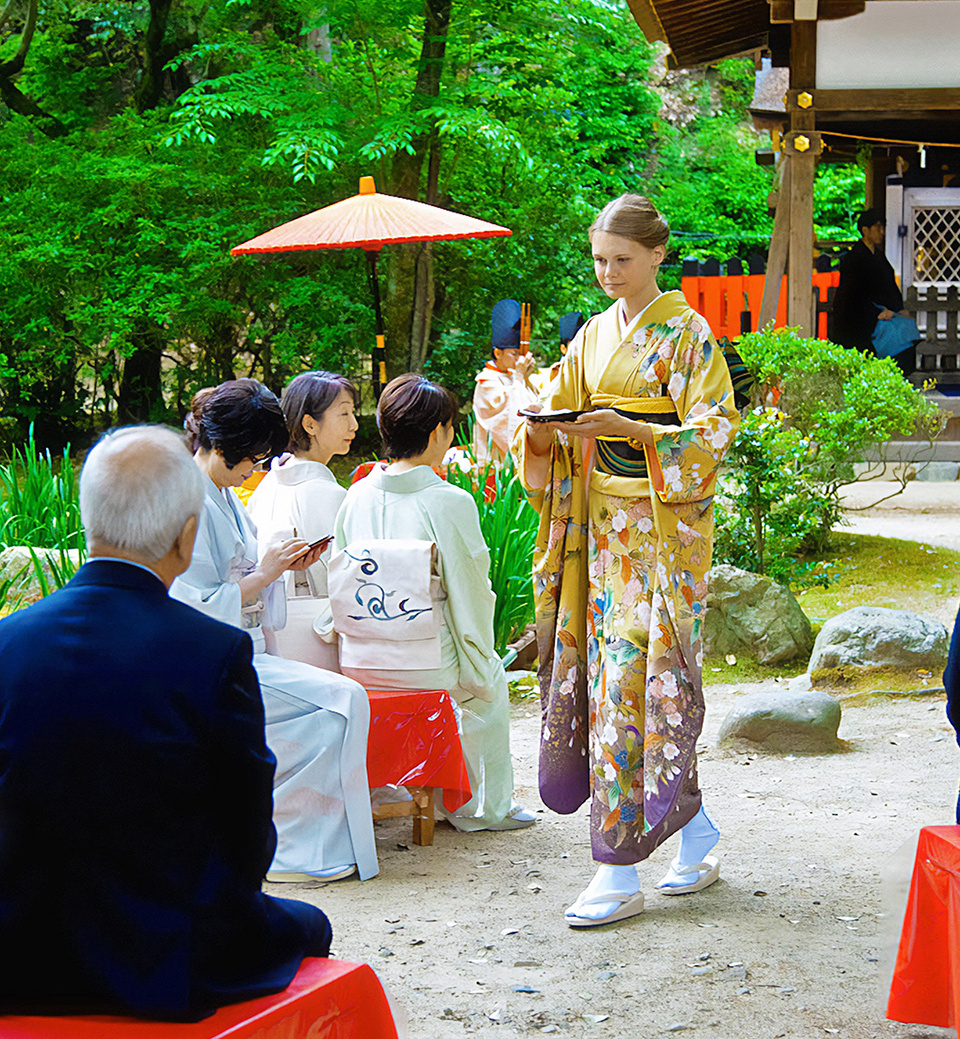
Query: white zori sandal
684	880
630	905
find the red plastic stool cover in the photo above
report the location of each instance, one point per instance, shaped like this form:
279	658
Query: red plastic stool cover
328	999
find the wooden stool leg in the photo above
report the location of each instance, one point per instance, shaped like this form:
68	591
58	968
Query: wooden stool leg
423	817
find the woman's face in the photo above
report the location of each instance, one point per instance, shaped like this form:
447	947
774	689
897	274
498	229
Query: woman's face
333	433
625	269
225	477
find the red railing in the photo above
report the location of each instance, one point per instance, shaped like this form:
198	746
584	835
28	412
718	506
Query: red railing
720	298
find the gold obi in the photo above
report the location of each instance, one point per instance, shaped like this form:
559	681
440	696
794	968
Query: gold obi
617	455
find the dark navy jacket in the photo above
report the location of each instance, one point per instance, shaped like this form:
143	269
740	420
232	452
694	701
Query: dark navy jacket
951	682
135	809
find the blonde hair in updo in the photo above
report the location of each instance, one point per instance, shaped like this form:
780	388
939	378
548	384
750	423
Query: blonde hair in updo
634	217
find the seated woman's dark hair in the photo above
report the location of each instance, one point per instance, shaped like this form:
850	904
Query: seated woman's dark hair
242	419
410	409
191	423
311	393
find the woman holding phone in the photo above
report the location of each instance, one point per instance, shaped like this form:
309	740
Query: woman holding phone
316	722
625	496
300	496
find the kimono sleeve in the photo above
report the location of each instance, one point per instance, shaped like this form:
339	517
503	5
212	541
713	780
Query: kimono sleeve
496	401
205	584
684	460
567	391
465	573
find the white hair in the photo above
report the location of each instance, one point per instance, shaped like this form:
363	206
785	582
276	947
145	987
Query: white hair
138	487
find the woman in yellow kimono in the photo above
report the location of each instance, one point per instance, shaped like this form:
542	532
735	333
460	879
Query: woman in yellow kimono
624	493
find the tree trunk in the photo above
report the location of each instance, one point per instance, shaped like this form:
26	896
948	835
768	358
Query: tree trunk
155	56
140	398
10	93
409	311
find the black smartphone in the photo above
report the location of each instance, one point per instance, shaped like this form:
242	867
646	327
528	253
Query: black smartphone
321	544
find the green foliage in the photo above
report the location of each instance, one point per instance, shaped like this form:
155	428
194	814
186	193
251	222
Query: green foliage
705	175
40	508
780	497
839	192
455	361
842	400
509	527
118	296
768	508
39	500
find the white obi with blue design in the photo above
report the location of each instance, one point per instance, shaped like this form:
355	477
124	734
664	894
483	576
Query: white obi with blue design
387	604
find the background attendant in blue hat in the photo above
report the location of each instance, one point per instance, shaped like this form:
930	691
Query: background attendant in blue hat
503	386
570	324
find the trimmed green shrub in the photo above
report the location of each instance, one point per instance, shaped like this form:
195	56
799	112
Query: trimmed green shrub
779	497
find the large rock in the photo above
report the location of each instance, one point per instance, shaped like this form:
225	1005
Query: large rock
750	614
872	647
16	565
785	720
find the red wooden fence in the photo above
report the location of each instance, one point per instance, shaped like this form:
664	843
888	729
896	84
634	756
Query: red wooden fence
720	299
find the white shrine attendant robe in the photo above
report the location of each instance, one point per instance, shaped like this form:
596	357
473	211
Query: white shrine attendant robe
302	496
497	397
316	722
418	504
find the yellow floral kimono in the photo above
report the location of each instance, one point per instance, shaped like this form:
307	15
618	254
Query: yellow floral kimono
620	574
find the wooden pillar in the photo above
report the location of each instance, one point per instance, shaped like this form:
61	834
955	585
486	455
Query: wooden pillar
800	269
779	245
803	75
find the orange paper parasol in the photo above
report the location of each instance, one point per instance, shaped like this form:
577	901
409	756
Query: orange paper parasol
369	221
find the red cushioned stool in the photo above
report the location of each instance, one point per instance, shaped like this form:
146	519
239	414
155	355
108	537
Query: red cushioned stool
414	743
328	999
925	989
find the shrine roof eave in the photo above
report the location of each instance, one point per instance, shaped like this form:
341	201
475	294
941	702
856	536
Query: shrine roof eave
702	31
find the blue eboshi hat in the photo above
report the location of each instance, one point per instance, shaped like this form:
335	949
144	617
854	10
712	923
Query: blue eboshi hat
505	322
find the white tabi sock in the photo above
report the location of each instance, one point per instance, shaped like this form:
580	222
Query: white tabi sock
697	839
619	881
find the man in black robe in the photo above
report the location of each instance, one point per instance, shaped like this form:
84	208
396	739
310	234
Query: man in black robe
868	292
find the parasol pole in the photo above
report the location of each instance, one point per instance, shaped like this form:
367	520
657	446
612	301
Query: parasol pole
379	355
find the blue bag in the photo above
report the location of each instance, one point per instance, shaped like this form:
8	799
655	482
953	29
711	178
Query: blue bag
894	336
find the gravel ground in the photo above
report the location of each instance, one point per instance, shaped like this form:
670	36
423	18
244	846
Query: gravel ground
794	939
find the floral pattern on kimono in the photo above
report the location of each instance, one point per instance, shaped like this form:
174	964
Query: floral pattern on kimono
636	553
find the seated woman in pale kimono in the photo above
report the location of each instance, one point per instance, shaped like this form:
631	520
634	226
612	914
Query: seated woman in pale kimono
407	500
316	721
300	497
625	495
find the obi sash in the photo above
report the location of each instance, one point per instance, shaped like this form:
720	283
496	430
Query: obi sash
387	604
616	455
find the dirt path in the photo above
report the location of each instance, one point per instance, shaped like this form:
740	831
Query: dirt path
927	512
469	937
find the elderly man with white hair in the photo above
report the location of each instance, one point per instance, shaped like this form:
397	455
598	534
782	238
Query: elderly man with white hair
135	780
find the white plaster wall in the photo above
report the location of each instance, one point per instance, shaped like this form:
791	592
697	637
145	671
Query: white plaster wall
894	43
